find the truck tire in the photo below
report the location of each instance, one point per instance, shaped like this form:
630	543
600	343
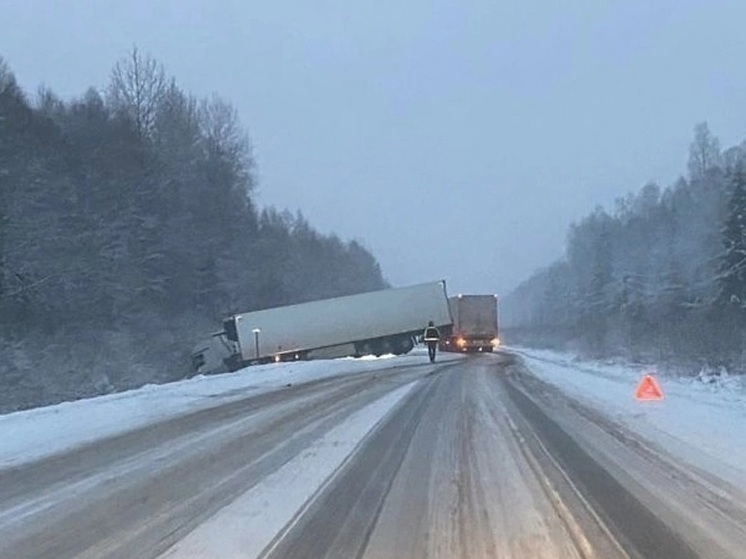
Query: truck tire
403	345
378	347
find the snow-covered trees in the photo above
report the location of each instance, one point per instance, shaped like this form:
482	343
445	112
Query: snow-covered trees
732	278
136	90
704	152
128	229
653	277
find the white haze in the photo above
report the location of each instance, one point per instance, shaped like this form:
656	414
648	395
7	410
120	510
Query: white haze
457	140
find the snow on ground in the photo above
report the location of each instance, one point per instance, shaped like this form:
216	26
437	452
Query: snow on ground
702	420
32	434
245	527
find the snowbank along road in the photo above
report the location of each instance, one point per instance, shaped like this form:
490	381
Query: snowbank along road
471	458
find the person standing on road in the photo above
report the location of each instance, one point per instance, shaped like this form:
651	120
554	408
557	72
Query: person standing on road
431	336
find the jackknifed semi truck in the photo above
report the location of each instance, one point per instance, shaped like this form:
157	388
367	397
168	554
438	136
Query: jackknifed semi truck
373	323
474	324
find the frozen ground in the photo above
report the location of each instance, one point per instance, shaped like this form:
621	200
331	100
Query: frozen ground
32	434
246	526
701	420
450	471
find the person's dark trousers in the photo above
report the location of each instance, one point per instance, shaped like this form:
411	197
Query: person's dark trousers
431	347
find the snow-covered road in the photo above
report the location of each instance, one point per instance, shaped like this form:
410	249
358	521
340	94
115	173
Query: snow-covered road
447	476
137	492
680	458
41	432
699	420
491	456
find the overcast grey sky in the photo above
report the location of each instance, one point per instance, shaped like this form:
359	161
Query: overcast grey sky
457	139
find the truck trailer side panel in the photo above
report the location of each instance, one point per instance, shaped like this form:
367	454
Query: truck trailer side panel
353	320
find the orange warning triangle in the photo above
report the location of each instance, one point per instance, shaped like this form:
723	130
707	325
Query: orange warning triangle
648	389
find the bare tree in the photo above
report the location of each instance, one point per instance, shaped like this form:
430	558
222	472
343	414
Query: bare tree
227	144
224	136
704	152
138	85
7	79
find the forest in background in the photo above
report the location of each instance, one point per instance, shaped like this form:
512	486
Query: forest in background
660	278
129	229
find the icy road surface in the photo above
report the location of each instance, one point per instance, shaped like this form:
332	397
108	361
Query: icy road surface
468	458
37	433
700	422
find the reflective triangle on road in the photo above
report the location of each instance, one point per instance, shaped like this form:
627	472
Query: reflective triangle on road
648	389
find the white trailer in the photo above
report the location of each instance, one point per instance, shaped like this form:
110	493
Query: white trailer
377	322
474	324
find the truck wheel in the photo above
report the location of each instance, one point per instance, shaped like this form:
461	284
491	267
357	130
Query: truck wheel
403	345
372	347
378	348
387	346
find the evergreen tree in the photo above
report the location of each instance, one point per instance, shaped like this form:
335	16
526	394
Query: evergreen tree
732	277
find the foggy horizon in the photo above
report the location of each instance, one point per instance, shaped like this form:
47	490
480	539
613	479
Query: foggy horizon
456	142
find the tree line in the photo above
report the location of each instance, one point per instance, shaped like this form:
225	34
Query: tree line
129	228
662	276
